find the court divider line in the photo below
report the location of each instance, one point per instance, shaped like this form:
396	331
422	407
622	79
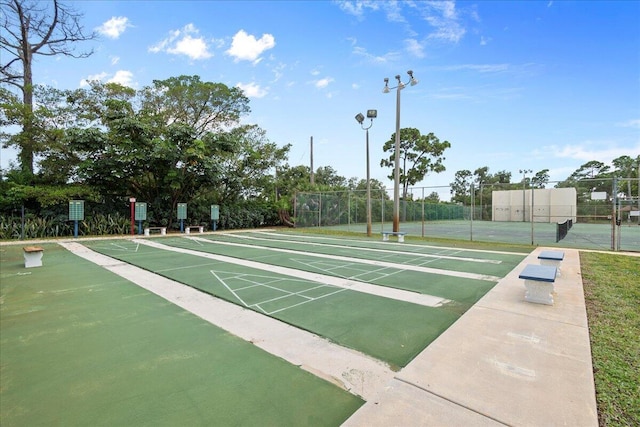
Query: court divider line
394	252
367	288
350	369
419	269
488	251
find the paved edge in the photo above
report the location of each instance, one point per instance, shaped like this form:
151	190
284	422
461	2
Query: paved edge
504	362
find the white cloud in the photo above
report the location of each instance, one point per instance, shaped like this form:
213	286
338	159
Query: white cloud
480	68
114	27
357	8
604	151
183	42
414	47
323	83
633	123
252	90
123	77
445	20
377	59
194	48
246	47
92	77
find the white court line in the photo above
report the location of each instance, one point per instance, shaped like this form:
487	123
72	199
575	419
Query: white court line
387	251
383	291
124	248
420	269
287	294
305	302
360	271
389	243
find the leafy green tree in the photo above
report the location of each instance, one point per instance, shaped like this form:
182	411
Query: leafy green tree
249	164
419	156
31	28
627	167
589	177
460	188
541	179
204	106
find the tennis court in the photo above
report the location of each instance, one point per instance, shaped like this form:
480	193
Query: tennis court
111	344
582	235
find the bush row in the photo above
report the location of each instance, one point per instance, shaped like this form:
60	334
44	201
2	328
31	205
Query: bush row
246	215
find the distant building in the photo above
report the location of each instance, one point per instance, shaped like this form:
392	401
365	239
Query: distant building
548	204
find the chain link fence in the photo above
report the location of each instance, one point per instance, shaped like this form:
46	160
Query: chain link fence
604	213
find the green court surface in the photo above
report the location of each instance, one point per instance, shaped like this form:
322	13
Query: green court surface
82	346
397	258
387	329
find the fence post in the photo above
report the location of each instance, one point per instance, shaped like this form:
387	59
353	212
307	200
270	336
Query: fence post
613	214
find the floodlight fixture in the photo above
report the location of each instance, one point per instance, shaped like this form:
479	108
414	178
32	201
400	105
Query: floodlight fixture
413	80
371	114
386	85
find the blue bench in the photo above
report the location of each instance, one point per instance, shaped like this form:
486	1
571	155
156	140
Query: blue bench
538	280
400	234
551	258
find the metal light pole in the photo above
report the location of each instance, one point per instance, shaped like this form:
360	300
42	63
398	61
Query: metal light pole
371	114
524	173
396	184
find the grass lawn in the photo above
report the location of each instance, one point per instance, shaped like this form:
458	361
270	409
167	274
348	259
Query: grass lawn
612	293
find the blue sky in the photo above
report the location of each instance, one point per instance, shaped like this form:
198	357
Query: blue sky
511	85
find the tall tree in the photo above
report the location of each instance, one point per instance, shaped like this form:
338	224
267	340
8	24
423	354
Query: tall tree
460	187
34	28
419	155
204	106
540	179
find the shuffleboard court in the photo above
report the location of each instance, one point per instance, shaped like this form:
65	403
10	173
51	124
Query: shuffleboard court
460	291
438	271
389	330
493	263
82	346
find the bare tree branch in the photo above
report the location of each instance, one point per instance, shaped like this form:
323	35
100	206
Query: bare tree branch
32	27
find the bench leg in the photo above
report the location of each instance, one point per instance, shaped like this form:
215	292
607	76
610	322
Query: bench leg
538	292
187	230
385	237
146	231
32	259
552	263
400	238
163	231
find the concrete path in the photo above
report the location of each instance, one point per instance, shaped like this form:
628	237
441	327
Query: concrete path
504	362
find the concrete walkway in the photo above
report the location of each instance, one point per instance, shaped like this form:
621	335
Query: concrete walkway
504	362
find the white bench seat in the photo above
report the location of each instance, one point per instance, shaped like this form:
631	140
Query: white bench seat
538	280
552	258
162	230
399	234
188	228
